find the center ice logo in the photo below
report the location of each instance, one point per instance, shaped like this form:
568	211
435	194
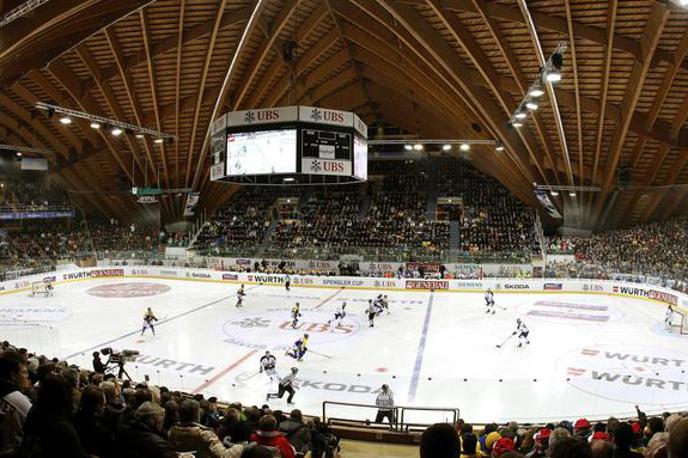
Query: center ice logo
124	290
272	330
628	373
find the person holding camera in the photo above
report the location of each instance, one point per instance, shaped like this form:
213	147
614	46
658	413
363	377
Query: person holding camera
98	366
385	405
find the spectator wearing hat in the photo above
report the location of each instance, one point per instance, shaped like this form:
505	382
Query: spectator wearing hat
268	435
503	445
582	429
385	406
189	435
141	437
440	441
541	439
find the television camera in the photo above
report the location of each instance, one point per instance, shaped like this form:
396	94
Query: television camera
117	359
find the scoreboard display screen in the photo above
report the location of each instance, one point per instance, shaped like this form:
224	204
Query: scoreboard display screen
326	144
261	152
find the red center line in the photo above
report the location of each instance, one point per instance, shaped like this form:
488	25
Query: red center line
326	300
223	372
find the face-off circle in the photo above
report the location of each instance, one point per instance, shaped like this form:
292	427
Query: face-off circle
272	329
128	290
628	373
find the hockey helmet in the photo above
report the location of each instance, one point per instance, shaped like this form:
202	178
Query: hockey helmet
295	369
518	320
305	335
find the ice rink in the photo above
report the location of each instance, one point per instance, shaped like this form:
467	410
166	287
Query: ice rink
590	355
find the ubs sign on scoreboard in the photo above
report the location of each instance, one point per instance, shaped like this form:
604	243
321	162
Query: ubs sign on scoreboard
289	145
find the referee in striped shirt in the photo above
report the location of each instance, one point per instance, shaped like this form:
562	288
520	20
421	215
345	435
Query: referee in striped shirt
385	406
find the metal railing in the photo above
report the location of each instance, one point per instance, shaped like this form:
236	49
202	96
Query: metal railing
404	419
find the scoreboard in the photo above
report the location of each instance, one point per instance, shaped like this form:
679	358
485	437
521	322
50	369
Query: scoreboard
289	145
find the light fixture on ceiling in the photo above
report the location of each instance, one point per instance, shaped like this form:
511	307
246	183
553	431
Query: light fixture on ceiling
446	147
532	105
158	140
499	146
408	147
116	131
553	68
66	120
572	194
19	154
95	125
520	114
465	147
139	136
536	91
553	75
288	180
516	123
418	147
554	193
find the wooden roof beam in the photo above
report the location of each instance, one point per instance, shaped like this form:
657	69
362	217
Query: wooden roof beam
650	38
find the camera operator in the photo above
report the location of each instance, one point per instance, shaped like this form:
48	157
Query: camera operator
98	366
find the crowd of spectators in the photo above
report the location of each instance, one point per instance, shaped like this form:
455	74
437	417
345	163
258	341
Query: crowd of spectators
492	220
51	408
663	436
21	194
43	244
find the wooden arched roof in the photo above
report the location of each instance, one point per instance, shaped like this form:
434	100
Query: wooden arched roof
434	68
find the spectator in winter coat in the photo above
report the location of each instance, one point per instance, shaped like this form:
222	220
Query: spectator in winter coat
267	434
140	437
96	438
13	403
189	435
297	432
49	430
233	427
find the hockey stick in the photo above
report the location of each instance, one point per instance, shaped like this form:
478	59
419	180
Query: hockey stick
506	340
320	354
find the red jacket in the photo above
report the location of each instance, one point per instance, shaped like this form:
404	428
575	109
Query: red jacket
274	439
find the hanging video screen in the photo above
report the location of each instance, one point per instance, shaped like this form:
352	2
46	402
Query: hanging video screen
261	152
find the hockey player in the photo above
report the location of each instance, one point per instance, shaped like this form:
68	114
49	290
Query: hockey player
489	301
300	348
286	385
295	314
49	289
377	303
339	315
287	282
385	303
668	318
372	311
240	296
267	365
522	332
148	319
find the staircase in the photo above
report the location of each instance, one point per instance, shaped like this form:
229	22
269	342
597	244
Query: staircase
431	202
266	239
454	237
366	200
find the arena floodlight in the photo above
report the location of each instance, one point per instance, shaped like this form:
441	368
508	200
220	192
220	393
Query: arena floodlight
499	146
158	140
95	125
516	123
66	120
572	193
446	147
465	147
554	193
536	91
532	105
408	147
418	147
116	131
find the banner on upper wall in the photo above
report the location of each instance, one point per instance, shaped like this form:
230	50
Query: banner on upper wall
547	203
191	201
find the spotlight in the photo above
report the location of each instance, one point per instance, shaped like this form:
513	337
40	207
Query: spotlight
516	123
95	125
536	91
572	194
553	75
446	147
532	105
408	147
139	136
499	146
418	147
19	154
520	115
116	131
554	193
465	147
66	120
158	140
2	185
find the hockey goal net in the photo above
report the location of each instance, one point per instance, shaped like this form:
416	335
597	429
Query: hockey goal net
40	287
679	323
